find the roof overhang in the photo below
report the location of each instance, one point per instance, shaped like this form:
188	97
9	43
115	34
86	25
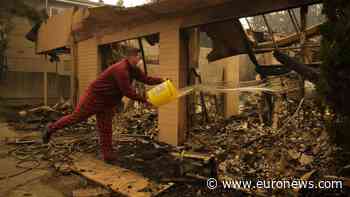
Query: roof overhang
87	23
81	3
103	20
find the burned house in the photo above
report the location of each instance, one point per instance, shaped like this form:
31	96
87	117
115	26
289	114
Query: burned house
174	26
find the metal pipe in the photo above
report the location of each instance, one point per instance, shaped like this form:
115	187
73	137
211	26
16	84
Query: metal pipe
143	55
47	7
297	30
270	31
296	20
250	27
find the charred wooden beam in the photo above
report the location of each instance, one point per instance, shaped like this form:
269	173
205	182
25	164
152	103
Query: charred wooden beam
309	73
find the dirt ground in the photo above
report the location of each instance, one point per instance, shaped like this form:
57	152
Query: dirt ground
39	182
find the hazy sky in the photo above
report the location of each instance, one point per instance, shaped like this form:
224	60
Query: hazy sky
127	3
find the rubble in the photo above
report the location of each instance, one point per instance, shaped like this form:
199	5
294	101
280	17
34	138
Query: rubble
137	123
31	118
244	148
249	150
91	192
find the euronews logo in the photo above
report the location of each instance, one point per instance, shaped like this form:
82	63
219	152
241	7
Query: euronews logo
212	183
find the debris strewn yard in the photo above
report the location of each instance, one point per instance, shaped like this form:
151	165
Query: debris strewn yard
242	146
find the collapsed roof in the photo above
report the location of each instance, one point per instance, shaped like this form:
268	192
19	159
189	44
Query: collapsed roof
87	23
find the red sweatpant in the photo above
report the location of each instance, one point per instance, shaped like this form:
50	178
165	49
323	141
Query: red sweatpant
89	105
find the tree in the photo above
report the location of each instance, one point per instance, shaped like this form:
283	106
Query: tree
120	3
10	9
335	70
332	79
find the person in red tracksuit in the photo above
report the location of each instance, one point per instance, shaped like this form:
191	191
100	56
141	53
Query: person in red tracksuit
104	94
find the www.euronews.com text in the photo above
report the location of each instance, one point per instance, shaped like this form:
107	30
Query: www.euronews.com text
275	184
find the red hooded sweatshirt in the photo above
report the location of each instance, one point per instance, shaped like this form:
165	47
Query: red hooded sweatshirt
116	81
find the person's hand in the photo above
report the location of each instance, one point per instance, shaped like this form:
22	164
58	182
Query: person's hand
147	104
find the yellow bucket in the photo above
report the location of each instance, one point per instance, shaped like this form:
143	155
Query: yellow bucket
162	93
